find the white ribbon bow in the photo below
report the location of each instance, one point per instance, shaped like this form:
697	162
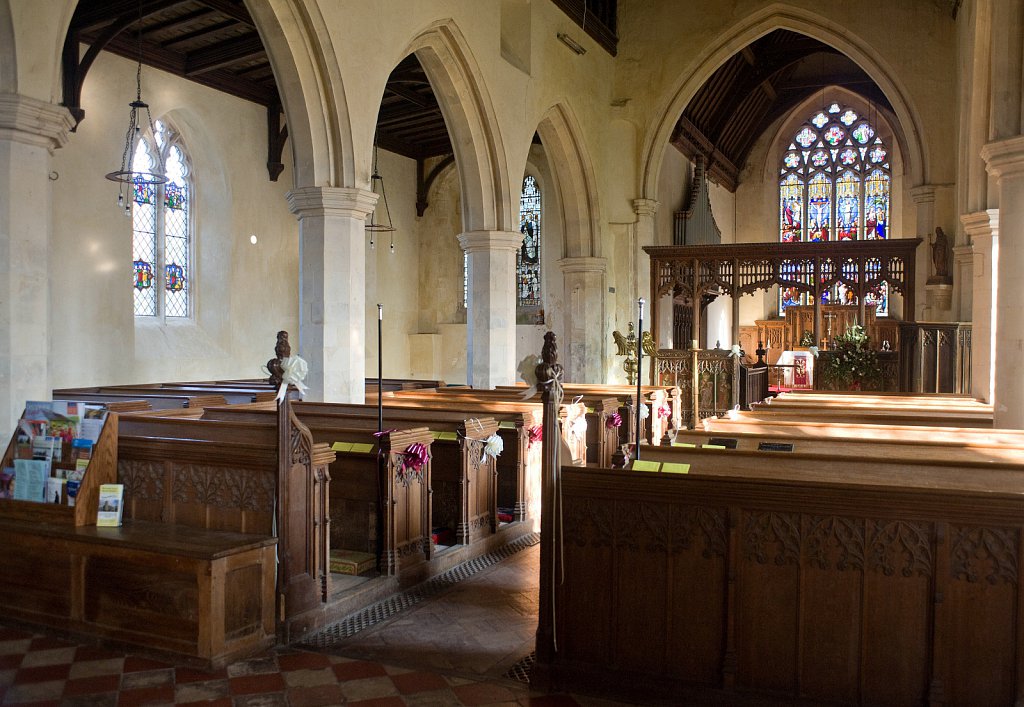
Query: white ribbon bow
293	372
579	427
645	411
813	350
493	447
735	350
528	372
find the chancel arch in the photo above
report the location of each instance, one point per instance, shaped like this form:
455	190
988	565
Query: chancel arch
746	31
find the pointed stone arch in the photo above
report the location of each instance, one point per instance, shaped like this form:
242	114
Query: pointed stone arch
460	89
750	28
574	178
312	94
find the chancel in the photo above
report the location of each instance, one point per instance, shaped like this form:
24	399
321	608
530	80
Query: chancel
752	247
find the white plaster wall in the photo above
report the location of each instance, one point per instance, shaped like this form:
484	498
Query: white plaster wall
243	294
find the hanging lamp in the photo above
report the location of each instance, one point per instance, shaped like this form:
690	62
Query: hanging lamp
377	187
129	177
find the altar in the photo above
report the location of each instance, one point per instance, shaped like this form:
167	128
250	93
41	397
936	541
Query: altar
790	333
794	369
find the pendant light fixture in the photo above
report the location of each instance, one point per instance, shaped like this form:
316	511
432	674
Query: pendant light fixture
377	186
128	177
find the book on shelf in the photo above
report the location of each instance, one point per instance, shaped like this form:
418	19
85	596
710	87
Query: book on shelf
110	507
55	489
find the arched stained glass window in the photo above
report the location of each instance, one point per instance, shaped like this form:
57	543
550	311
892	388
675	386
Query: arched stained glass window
528	258
162	229
834	184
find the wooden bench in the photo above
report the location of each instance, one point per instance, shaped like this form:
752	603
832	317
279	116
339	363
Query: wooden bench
260	479
939	418
195	593
800	428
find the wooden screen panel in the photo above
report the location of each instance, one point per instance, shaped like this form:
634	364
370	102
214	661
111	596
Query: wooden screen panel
589	526
243	602
142	597
980	606
767	596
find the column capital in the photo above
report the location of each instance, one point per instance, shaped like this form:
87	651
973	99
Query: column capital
923	194
645	207
331	201
477	241
576	265
981	224
1004	157
34	122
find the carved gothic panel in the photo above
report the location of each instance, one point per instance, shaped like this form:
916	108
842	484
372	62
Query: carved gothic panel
900	546
685	523
772	536
588	522
143	481
834	541
988	554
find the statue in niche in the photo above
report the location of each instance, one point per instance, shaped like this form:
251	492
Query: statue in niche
940	257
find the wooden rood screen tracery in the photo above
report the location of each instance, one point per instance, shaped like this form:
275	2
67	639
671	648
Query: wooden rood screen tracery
693	272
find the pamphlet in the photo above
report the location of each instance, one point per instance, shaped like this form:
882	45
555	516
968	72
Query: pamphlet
55	490
30	479
110	505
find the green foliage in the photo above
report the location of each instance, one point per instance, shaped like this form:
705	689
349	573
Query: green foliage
851	363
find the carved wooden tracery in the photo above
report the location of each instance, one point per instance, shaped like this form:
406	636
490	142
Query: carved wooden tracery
692	272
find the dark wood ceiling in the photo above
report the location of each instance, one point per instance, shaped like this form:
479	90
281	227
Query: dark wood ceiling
215	43
755	87
410	121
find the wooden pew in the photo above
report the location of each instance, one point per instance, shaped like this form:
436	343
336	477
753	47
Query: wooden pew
889	402
812	578
464	495
192	570
600	441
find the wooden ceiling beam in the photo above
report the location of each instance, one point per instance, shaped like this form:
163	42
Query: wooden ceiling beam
235	11
411	95
226	53
94	15
176	22
198	33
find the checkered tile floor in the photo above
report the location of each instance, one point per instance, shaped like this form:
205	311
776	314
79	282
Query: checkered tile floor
36	669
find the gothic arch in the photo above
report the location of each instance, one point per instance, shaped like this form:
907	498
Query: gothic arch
313	96
487	193
574	180
758	24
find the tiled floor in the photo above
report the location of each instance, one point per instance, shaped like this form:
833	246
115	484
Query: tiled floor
452	649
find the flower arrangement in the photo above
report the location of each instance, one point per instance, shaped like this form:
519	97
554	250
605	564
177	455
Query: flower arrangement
851	364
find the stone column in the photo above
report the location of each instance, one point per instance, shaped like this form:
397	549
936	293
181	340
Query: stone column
983	230
645	210
585	335
929	298
491	315
30	130
332	289
963	276
1005	161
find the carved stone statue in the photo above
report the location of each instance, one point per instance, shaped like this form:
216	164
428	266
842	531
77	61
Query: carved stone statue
940	254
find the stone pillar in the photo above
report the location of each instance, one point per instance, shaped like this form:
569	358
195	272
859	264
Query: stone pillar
491	315
983	230
963	277
1005	161
645	209
585	333
928	309
30	130
332	289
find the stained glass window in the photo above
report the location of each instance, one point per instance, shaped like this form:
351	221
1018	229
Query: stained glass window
162	229
528	259
834	184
